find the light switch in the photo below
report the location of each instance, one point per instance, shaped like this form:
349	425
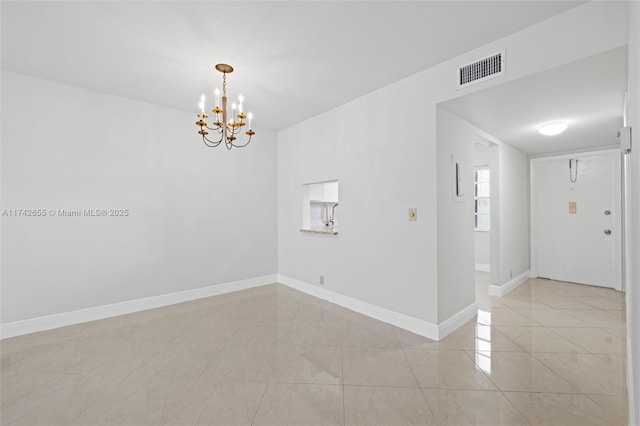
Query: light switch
573	207
413	214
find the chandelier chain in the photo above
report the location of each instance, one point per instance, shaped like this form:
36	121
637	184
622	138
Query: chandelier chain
224	84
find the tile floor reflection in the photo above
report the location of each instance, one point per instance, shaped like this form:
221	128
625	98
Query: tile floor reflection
547	353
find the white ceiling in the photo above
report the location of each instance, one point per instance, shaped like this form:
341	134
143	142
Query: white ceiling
293	60
588	94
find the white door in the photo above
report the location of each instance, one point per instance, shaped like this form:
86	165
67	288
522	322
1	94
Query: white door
576	218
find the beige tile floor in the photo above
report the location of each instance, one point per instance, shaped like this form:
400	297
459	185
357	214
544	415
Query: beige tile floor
548	353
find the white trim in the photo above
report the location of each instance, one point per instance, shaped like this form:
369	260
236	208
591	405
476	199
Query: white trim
406	322
578	154
630	389
625	222
573	153
483	267
412	324
415	325
502	290
457	320
32	325
533	259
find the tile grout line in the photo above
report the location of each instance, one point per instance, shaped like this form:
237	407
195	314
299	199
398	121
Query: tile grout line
480	369
415	377
534	357
526	419
552	329
260	404
495	328
344	415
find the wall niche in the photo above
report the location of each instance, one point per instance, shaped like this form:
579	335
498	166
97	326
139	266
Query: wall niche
320	207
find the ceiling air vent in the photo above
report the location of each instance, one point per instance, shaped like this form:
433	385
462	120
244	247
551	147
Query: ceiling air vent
481	70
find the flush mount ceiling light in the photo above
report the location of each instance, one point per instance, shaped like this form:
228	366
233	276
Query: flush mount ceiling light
227	124
553	128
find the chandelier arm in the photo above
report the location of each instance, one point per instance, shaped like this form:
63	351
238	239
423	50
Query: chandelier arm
236	130
208	142
241	146
210	145
213	128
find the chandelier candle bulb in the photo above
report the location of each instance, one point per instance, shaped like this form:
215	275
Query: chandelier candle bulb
217	93
250	118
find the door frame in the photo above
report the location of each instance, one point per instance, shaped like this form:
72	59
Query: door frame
617	193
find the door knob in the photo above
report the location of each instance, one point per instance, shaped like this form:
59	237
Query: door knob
607	212
607	231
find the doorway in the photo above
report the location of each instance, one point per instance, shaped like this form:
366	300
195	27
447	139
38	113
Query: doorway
576	218
485	163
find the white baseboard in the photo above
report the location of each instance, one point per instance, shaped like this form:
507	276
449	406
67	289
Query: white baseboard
499	291
414	325
483	267
32	325
454	322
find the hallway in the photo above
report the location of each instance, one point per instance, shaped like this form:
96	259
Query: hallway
576	331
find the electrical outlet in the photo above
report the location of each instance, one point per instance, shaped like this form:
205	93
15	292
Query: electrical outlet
321	279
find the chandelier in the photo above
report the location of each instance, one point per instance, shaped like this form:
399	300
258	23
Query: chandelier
227	124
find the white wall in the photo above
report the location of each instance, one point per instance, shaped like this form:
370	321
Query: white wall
509	236
633	281
514	247
455	138
482	244
384	168
379	256
198	216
